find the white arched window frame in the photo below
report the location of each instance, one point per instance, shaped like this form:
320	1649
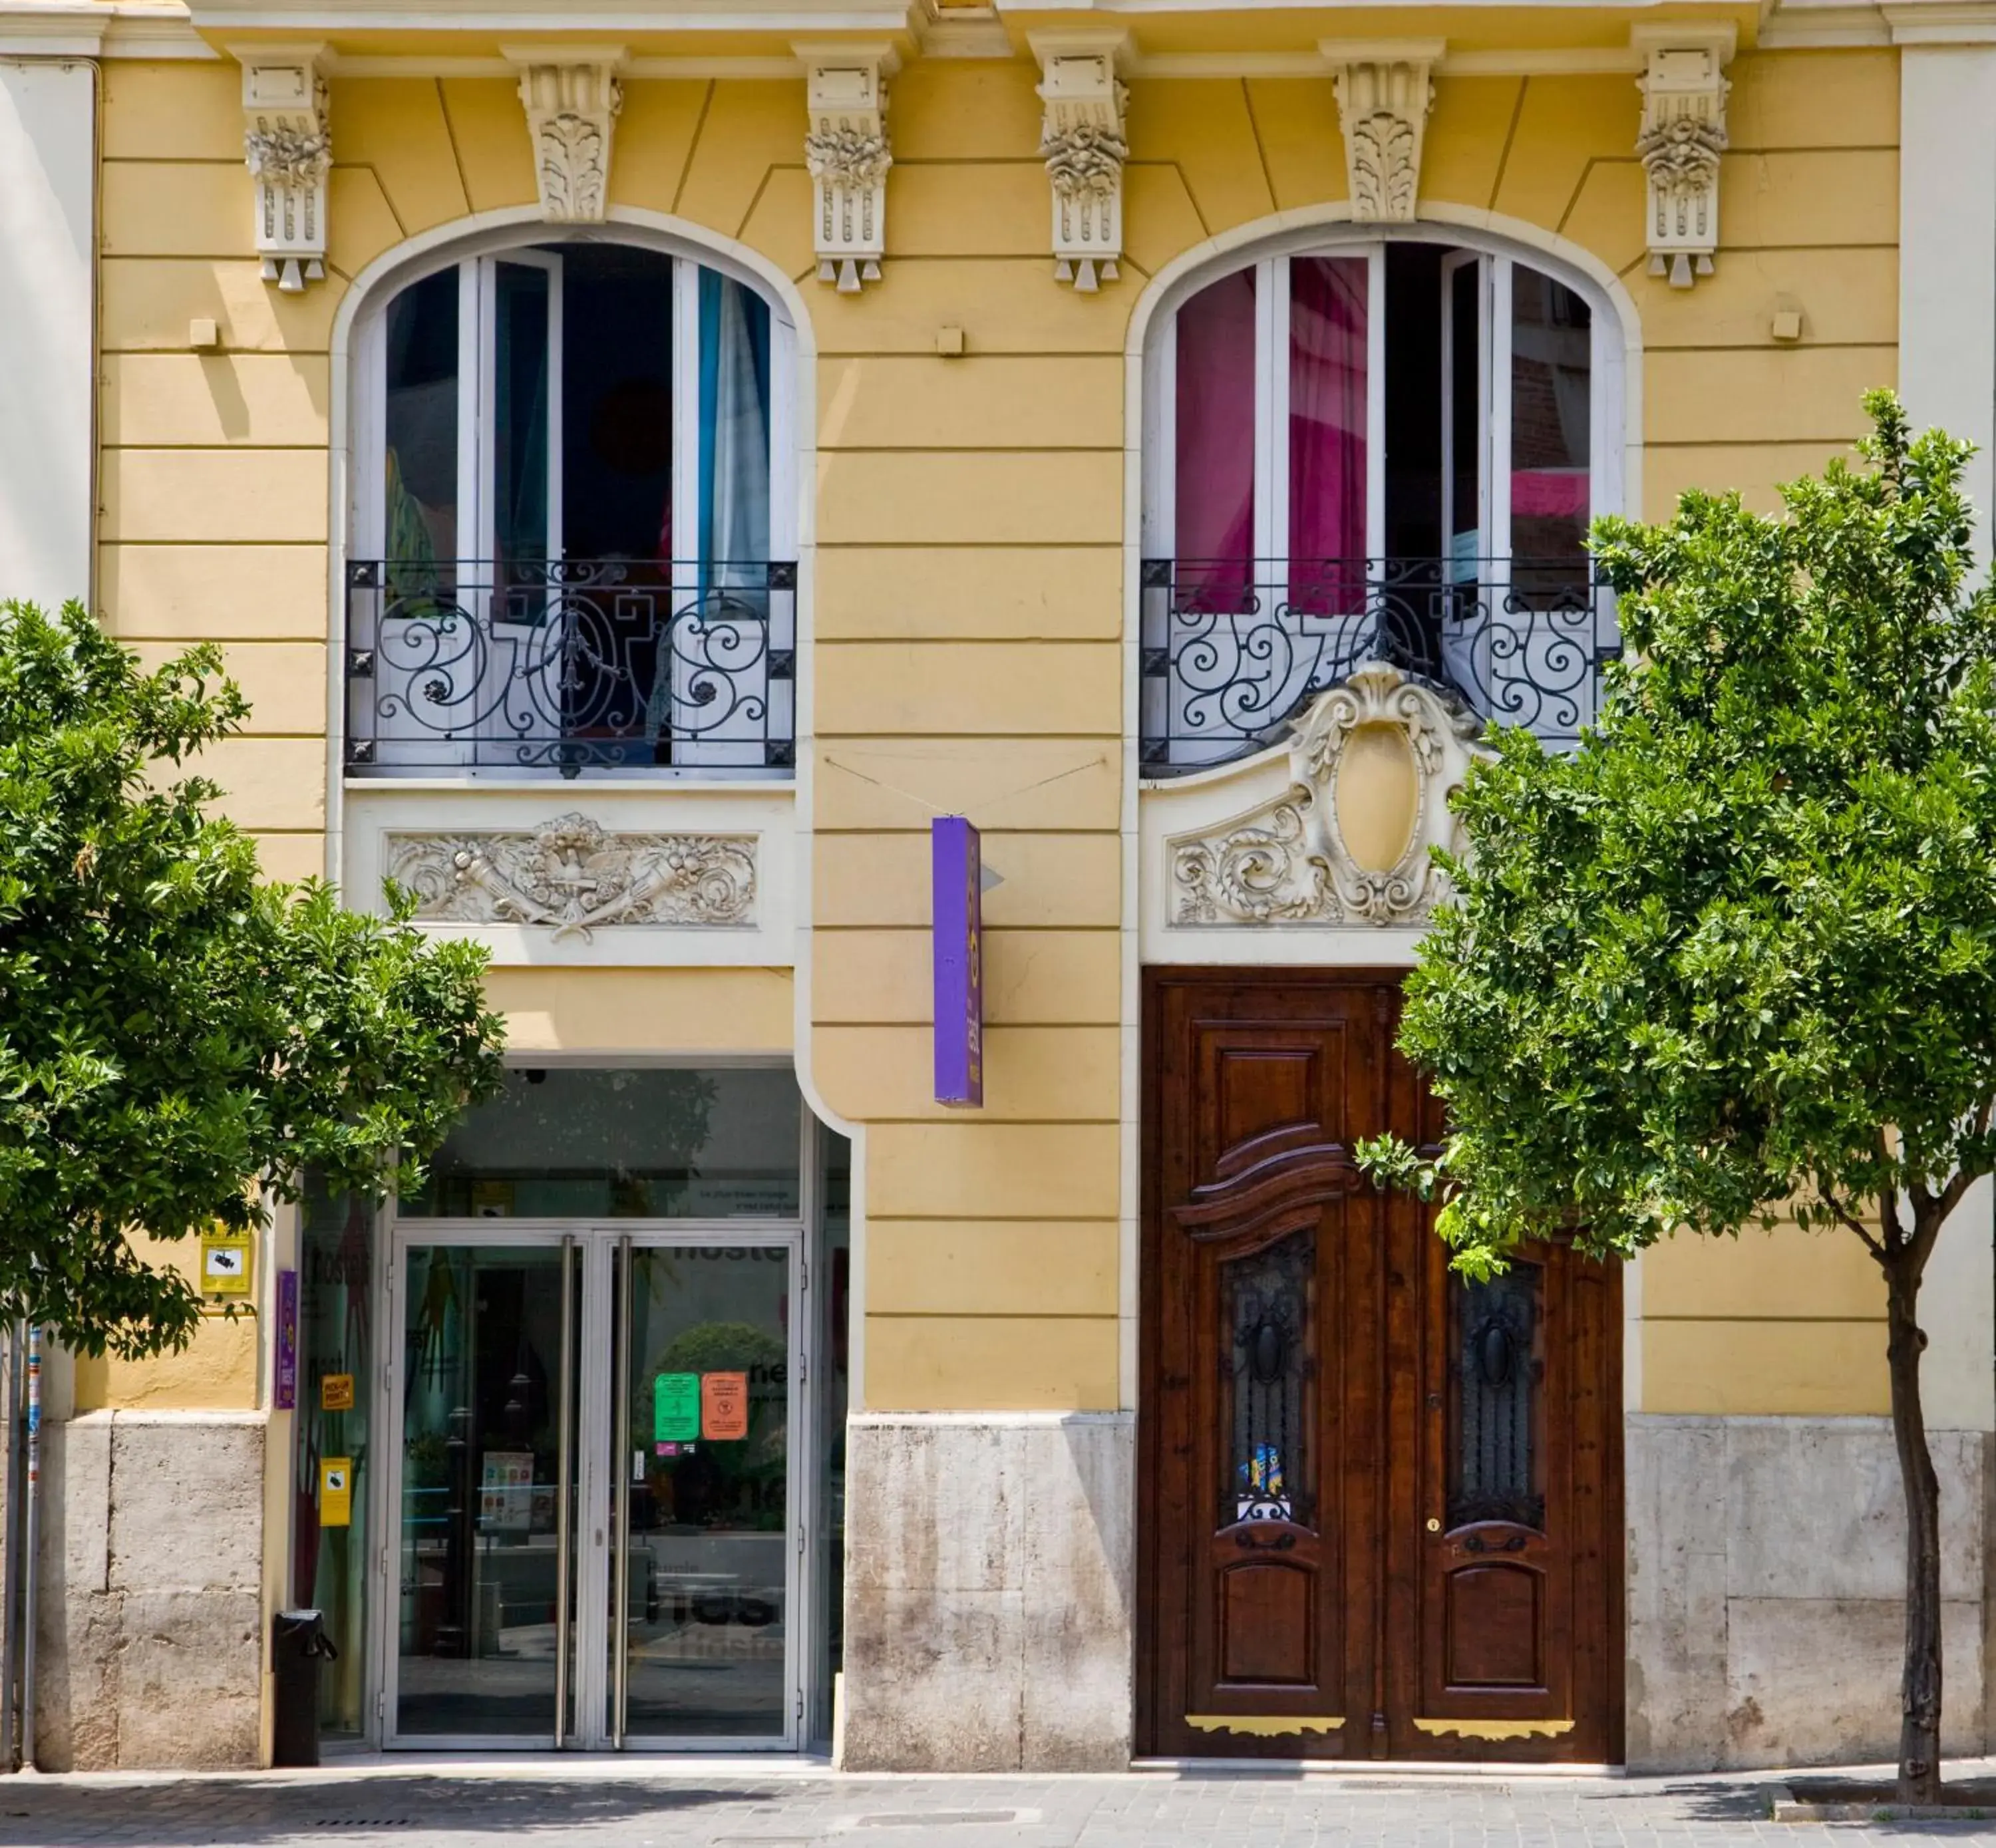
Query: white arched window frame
1183	727
748	652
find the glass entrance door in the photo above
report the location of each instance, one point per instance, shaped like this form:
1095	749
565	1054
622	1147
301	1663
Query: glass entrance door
596	1520
701	1636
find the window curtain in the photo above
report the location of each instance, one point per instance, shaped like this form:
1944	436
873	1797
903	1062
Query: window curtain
1327	339
734	435
718	660
1213	513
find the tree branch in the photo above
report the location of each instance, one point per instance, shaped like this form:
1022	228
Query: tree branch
1857	1226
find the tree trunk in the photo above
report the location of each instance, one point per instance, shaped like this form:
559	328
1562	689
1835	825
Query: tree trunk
1920	1691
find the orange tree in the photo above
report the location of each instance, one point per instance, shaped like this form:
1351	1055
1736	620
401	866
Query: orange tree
179	1041
1736	956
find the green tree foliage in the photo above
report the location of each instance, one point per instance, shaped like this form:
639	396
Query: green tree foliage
1735	958
178	1039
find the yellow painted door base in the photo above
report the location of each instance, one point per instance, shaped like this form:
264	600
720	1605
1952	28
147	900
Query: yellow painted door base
1260	1725
1498	1728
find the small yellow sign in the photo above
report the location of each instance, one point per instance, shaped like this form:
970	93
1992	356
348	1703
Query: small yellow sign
225	1263
336	1491
336	1392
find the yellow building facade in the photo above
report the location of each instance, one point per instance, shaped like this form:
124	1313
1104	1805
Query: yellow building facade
644	466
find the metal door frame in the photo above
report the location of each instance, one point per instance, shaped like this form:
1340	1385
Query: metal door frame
595	1245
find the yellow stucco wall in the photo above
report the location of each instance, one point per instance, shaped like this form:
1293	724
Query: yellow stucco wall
971	514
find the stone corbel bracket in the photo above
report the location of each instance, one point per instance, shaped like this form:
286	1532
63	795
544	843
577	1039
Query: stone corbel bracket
1683	87
1082	141
1384	92
571	96
288	146
846	151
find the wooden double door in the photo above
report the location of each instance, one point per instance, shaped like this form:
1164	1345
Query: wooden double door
1380	1511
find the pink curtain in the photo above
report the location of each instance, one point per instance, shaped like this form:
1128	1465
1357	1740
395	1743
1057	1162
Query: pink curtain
1214	511
1327	309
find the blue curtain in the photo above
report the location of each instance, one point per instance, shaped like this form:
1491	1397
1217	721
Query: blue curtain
734	434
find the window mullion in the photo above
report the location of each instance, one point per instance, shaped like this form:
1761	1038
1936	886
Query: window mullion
1272	409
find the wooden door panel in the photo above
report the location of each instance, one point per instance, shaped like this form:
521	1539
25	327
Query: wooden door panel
1379	1508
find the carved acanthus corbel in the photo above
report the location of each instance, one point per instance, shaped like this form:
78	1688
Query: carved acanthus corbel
1083	143
846	151
1684	88
1384	92
571	97
289	149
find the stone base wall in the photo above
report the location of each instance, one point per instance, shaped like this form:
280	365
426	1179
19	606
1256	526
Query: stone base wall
1766	1568
989	1565
148	1640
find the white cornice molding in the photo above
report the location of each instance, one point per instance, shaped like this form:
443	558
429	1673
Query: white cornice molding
90	29
333	18
1941	21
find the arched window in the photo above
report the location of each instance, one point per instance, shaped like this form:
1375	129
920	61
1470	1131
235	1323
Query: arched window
1385	451
573	544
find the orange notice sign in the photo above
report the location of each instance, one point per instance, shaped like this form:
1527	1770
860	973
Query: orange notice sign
724	1405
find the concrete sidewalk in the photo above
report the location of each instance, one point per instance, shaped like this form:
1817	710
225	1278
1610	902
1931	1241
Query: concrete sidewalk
653	1803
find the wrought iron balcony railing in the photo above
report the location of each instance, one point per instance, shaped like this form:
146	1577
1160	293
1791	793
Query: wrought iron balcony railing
1231	650
569	664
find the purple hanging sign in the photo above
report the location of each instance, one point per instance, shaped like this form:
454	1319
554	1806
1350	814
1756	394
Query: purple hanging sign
956	931
287	1341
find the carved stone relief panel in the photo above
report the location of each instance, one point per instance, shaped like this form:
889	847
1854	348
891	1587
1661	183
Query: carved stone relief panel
1371	764
574	877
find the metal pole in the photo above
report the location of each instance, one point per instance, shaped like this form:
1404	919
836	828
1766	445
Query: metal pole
564	1484
10	1574
620	1384
30	1574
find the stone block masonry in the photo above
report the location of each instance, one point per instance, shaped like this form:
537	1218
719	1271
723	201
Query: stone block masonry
148	1640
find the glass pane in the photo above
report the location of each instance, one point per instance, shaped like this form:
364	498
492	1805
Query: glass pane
1498	1366
1465	415
482	1355
1551	417
521	311
617	409
659	1144
1268	1302
1327	471
419	516
1214	517
708	1376
335	1421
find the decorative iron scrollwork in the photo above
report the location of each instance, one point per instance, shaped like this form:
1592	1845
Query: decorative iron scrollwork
570	664
1231	649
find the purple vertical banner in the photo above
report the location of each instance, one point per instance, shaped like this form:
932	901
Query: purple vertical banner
956	931
287	1341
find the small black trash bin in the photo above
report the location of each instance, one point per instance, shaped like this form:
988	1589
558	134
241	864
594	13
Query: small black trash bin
298	1644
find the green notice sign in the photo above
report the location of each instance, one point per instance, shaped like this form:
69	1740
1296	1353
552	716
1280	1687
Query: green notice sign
675	1408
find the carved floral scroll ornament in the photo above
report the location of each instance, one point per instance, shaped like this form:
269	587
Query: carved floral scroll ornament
574	876
287	146
1382	101
571	108
1083	143
1287	862
1683	135
847	153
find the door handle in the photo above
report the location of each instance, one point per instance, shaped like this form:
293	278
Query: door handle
621	1386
